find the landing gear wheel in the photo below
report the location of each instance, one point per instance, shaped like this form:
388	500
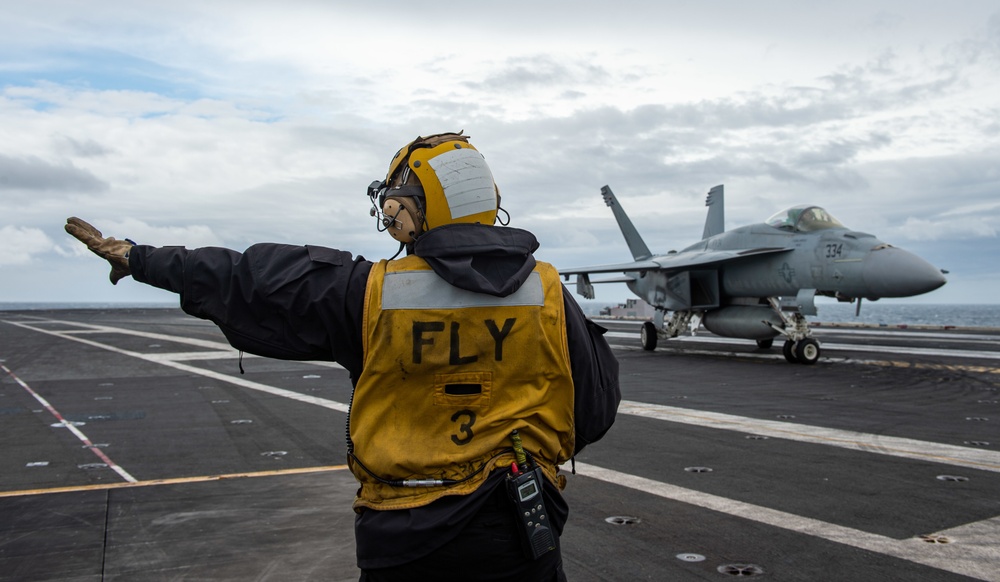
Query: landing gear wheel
789	352
648	336
807	351
765	344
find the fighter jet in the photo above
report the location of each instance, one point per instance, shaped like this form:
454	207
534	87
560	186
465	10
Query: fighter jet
759	281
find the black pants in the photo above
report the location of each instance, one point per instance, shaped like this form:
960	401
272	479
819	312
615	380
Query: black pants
488	549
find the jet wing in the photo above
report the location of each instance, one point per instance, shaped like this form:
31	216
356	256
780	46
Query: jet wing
646	265
687	259
676	261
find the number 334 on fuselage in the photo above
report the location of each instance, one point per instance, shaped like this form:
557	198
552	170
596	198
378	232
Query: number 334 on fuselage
759	281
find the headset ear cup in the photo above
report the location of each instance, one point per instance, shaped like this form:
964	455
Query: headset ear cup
400	212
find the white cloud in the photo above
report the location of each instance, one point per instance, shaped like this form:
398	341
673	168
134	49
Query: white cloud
930	229
20	246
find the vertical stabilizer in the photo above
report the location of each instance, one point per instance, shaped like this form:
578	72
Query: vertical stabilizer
635	244
715	222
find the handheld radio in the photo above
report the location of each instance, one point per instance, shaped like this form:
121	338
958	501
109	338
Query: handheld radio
524	487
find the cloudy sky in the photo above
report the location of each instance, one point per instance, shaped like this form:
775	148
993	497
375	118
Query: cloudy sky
227	123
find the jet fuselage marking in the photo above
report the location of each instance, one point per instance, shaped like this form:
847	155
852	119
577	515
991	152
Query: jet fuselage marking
787	273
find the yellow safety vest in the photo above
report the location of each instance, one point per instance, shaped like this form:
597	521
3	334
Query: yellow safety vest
448	374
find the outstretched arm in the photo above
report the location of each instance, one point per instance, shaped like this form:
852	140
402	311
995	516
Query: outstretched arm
279	301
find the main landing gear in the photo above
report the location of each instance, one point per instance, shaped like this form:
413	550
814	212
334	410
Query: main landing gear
654	330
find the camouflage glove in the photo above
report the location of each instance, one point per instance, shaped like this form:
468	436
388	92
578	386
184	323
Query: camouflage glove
109	249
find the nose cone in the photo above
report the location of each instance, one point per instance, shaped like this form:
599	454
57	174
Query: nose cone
892	272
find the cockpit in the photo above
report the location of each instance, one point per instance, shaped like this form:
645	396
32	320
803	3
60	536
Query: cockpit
804	218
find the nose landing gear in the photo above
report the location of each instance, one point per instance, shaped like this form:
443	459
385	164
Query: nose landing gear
804	351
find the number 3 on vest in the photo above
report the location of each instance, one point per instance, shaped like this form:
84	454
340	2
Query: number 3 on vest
465	427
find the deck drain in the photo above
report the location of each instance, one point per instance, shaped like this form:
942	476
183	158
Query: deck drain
757	437
691	557
785	416
622	520
274	454
241	421
935	539
698	469
741	569
977	418
955	478
978	443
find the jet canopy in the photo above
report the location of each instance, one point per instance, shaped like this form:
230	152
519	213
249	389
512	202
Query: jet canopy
804	218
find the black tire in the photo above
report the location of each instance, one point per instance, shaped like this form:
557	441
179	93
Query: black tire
648	336
807	351
765	344
788	350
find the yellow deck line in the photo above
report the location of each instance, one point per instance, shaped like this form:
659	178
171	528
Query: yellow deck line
175	481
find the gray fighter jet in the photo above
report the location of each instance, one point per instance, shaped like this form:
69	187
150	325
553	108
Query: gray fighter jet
759	281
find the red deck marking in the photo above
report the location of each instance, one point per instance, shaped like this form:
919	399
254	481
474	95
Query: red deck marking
79	434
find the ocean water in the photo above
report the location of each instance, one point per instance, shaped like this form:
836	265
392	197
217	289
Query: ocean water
893	314
872	313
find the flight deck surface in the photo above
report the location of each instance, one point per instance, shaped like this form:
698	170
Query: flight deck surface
134	449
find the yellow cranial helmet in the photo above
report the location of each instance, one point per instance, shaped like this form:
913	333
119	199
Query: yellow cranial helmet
433	181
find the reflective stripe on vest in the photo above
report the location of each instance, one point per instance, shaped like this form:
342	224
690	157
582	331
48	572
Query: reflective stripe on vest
425	290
